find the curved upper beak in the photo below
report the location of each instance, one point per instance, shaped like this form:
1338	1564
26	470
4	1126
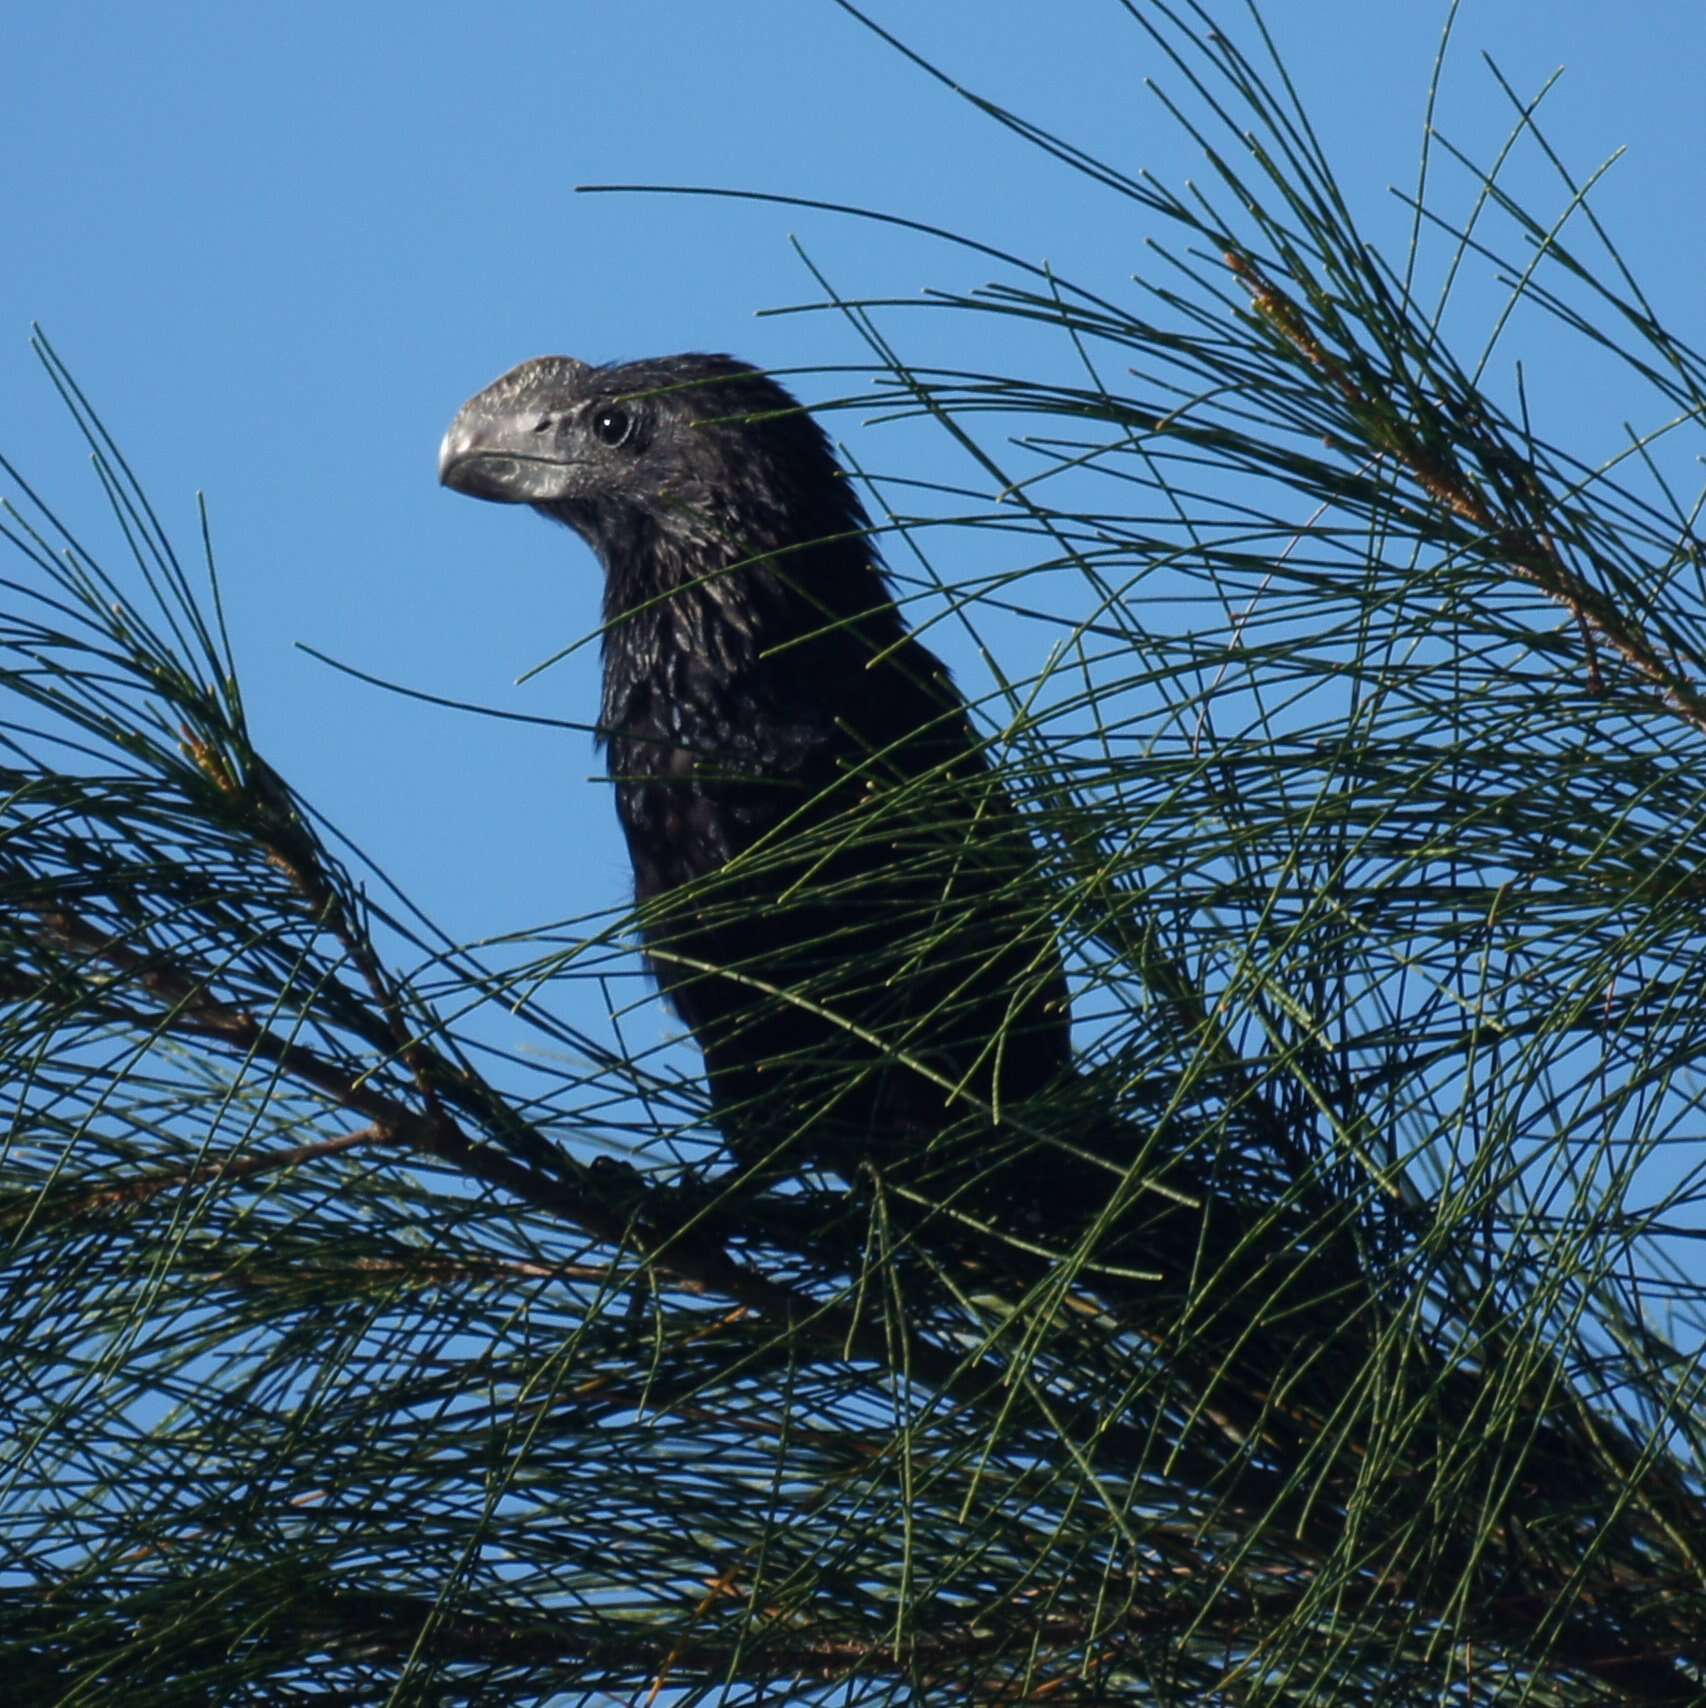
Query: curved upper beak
497	455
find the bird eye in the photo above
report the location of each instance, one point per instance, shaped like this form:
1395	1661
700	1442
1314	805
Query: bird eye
612	426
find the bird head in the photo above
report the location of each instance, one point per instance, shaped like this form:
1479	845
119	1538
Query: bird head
698	452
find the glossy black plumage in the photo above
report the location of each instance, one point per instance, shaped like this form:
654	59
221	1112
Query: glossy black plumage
837	896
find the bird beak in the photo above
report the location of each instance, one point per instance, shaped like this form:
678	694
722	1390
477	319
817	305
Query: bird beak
496	455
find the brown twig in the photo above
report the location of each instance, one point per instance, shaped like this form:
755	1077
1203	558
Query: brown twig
416	1626
140	1191
292	851
694	1264
1526	551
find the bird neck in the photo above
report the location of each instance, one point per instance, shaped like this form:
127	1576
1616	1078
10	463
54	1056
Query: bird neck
709	619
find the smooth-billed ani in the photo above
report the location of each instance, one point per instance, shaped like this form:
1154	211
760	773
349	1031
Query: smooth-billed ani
836	894
844	906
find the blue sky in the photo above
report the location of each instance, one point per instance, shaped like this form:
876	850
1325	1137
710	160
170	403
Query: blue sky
279	245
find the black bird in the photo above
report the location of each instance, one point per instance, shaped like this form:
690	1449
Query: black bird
836	894
843	904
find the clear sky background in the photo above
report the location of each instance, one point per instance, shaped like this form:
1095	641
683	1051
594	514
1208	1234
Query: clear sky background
280	244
